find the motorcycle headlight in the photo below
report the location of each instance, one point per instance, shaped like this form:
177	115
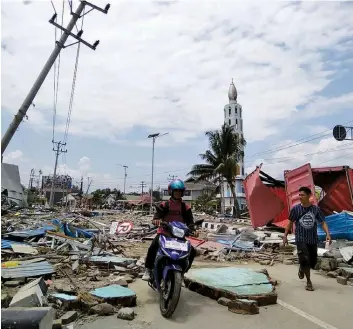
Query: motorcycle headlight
178	232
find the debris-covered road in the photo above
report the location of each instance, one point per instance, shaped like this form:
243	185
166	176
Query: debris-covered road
327	307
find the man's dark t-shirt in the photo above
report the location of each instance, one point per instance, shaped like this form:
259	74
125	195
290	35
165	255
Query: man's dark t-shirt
306	219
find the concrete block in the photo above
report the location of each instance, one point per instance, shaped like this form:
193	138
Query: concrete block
57	324
126	313
37	282
224	301
347	272
342	280
332	274
69	317
32	297
103	309
27	318
328	264
244	306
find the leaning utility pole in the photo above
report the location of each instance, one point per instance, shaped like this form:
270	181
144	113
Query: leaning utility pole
51	60
59	149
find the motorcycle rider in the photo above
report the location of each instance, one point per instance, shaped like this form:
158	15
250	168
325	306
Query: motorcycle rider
174	210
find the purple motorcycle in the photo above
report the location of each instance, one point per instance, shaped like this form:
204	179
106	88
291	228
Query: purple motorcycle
171	263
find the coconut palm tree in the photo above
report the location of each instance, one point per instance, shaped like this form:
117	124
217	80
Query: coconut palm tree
225	151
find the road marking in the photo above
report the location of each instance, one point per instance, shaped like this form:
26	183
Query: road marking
305	315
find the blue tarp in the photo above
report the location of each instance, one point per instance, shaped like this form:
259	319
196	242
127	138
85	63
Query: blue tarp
6	244
340	226
113	291
56	225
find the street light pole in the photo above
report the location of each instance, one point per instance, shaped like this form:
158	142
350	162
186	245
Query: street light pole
125	176
153	136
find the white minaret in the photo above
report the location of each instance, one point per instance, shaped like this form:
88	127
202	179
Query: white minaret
233	117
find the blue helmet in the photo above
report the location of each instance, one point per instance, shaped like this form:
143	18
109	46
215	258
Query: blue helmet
177	184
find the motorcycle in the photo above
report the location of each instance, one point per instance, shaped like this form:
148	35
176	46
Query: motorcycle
171	263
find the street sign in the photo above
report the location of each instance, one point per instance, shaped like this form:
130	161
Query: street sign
124	227
339	133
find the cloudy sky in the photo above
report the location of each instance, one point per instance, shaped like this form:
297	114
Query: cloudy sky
166	66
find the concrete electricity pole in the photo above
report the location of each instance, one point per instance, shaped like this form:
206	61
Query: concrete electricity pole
125	175
153	136
51	60
59	149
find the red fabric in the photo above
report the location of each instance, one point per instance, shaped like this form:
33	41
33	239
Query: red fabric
174	213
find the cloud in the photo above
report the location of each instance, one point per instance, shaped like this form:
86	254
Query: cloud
167	65
14	157
326	153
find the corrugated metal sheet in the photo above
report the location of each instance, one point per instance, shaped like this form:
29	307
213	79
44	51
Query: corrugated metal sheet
297	178
27	270
337	196
10	180
262	203
281	220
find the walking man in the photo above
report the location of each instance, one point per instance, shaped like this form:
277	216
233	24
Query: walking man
306	216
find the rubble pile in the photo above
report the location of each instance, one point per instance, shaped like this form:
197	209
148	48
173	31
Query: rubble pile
67	265
337	262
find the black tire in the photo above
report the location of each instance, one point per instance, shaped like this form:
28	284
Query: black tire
172	302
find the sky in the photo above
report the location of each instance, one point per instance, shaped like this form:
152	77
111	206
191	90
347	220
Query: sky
166	66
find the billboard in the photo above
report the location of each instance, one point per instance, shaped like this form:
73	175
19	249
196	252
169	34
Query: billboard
61	182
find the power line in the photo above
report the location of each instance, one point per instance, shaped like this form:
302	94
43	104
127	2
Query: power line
296	143
68	120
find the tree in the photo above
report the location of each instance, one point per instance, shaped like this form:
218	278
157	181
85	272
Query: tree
225	151
207	203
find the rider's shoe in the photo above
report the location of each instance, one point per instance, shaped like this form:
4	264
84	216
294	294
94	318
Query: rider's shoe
147	275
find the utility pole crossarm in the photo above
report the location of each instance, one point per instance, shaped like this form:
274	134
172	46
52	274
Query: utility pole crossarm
11	130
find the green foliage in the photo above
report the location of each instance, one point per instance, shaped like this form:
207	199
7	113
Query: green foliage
221	159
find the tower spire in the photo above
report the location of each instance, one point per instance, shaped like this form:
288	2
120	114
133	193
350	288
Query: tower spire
232	93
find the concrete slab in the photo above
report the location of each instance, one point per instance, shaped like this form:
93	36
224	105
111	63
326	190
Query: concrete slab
232	283
27	318
115	294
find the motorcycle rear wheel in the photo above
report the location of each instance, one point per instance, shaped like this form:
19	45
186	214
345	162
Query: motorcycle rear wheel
170	294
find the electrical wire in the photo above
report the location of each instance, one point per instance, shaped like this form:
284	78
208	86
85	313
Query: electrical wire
68	120
57	69
297	142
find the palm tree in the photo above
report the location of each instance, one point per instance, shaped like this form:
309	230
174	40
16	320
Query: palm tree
225	151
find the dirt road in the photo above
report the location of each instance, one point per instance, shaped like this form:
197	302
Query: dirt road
327	307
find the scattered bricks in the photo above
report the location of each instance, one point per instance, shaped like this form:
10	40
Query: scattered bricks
265	262
342	280
244	306
224	301
328	264
126	314
27	318
57	324
332	274
12	283
69	317
102	309
287	262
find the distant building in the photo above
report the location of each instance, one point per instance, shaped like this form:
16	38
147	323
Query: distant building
234	117
193	190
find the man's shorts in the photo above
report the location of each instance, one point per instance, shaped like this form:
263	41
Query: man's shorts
307	255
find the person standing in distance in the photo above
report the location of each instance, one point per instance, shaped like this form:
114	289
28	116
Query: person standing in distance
306	216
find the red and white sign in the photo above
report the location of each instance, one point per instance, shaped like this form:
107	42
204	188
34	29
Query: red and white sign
124	227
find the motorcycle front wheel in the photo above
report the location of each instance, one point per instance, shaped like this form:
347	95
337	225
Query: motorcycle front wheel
170	294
